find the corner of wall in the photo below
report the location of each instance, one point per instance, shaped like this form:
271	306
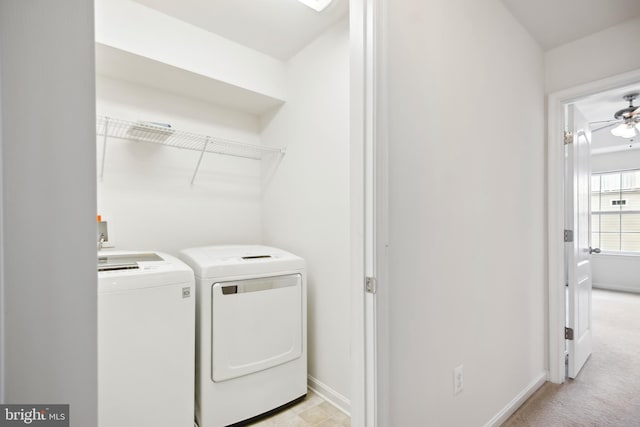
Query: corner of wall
517	401
329	394
48	88
314	127
2	322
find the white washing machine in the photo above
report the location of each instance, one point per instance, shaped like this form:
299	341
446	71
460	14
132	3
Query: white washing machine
146	340
251	331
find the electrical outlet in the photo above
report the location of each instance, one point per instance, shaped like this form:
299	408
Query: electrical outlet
458	380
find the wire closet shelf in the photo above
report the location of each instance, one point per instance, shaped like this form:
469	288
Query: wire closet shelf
161	134
158	133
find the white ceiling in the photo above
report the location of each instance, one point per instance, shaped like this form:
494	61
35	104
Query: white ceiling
279	28
556	22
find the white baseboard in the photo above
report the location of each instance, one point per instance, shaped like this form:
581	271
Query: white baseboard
508	410
619	288
329	394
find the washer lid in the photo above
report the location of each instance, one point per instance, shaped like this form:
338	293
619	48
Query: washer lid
223	261
134	270
125	261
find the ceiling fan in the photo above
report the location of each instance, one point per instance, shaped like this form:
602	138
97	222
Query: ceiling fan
627	119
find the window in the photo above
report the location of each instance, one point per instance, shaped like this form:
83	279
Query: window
615	211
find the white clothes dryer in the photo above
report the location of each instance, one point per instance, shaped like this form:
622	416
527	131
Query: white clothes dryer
251	331
146	340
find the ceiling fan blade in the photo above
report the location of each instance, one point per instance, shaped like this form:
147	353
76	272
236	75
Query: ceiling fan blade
605	126
605	121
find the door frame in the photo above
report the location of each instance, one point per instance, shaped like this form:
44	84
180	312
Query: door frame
556	212
2	291
364	29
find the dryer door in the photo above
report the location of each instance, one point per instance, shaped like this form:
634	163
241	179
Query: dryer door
255	324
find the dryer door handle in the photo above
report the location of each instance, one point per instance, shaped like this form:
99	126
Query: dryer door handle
261	284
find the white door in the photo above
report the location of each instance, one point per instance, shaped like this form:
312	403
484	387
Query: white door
578	252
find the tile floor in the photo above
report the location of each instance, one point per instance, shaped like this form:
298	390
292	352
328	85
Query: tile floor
312	411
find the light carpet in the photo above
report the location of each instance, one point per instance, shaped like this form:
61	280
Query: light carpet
607	390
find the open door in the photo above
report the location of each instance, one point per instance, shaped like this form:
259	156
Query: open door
577	236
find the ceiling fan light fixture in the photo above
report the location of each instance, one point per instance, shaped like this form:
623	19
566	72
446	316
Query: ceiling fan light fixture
317	5
624	130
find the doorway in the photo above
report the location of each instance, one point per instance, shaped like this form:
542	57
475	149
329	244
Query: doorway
585	97
257	120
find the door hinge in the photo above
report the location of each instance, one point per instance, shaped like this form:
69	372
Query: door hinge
370	284
568	137
568	235
568	333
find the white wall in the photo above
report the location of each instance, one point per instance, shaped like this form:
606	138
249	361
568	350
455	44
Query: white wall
616	161
145	194
594	57
618	272
49	197
306	205
466	212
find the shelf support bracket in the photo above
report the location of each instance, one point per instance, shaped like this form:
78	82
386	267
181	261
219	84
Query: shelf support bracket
270	165
204	148
104	146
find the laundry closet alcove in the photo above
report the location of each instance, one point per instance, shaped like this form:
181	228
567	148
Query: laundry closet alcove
154	65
